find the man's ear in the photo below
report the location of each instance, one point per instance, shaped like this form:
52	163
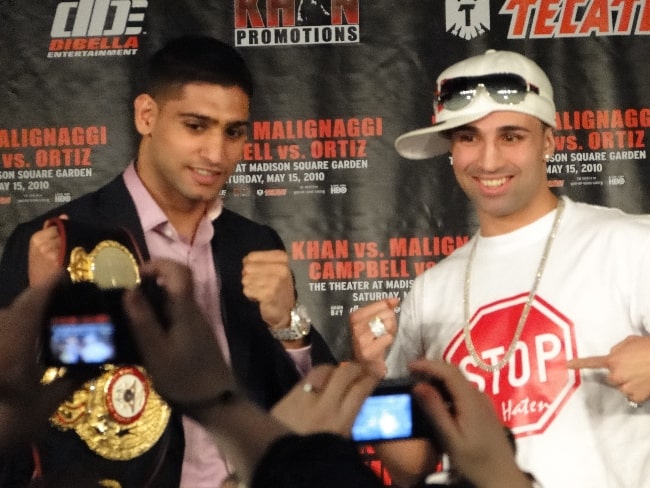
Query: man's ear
549	141
145	113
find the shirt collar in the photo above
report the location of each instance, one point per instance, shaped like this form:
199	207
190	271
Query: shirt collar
150	214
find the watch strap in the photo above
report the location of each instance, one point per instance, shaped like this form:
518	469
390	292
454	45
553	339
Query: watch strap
287	334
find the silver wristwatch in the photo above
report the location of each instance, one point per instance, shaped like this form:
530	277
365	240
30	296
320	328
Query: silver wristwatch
299	327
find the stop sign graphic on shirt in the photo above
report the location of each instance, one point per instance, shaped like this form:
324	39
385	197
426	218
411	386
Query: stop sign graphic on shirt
530	390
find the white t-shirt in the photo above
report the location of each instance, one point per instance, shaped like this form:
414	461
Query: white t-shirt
573	430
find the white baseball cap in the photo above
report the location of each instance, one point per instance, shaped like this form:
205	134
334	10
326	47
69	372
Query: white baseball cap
475	87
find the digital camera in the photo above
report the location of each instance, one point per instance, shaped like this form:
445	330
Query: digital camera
392	413
86	326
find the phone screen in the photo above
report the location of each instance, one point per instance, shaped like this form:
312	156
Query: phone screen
384	417
82	339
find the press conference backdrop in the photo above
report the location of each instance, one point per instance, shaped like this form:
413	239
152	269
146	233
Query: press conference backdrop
336	82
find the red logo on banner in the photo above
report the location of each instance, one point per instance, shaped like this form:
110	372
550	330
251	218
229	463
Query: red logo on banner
541	19
529	391
294	22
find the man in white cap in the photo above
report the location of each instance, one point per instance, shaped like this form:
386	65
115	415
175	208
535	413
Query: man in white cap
546	309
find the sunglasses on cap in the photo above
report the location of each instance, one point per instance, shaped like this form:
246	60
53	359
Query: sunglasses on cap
505	88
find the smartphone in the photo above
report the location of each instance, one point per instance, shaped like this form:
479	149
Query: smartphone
391	413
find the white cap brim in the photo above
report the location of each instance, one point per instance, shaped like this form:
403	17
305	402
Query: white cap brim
429	142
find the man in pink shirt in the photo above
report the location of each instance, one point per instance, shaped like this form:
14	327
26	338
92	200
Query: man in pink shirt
193	120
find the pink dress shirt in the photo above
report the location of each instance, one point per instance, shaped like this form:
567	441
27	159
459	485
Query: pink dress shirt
203	465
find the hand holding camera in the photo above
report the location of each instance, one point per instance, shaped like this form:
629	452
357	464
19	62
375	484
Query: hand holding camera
475	439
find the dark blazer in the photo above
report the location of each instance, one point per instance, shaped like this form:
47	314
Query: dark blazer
259	362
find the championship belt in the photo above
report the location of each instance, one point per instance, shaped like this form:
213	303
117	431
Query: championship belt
118	414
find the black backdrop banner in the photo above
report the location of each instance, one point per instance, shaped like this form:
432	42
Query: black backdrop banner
336	82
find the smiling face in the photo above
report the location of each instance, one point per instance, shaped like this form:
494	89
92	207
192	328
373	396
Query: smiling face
192	140
499	162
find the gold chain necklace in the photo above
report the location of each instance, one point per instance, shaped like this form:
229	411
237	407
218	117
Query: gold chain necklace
529	302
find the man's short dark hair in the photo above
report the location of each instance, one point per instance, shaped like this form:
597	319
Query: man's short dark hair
197	59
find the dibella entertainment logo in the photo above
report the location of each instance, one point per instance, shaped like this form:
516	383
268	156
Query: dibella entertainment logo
96	28
295	22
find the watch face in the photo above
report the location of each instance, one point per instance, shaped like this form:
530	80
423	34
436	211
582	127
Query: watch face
303	327
300	320
127	394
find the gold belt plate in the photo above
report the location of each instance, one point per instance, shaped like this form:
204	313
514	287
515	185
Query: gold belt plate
118	415
108	265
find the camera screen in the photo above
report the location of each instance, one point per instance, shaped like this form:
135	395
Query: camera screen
384	417
82	339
